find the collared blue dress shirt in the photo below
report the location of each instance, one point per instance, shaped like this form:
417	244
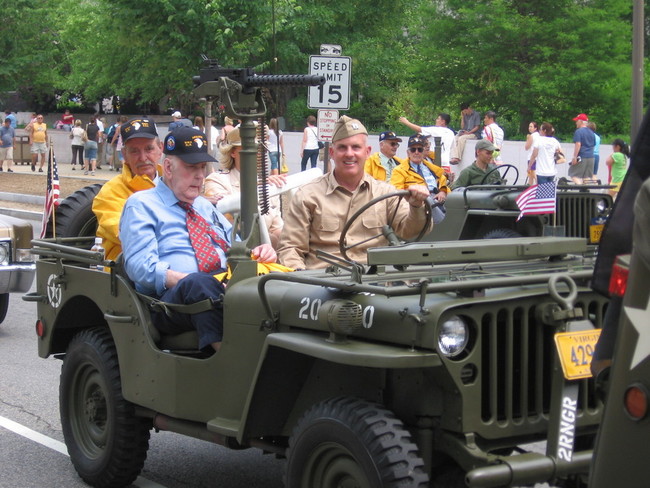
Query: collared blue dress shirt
154	236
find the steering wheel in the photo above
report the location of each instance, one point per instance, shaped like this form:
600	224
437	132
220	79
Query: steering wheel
387	230
502	177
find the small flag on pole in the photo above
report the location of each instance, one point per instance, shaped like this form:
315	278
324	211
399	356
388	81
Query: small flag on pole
538	199
52	193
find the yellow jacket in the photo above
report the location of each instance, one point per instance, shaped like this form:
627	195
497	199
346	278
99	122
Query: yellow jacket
374	167
109	202
404	176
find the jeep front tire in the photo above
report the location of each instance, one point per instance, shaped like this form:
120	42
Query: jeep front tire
350	442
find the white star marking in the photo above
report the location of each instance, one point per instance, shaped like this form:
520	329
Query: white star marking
639	320
53	291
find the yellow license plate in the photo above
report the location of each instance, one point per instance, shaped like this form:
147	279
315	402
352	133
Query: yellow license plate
595	231
576	350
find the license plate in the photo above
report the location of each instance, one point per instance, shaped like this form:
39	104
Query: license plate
596	227
576	350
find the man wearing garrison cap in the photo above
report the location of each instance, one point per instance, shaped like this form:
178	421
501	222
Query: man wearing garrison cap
319	210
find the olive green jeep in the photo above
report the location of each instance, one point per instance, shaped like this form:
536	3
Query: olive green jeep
435	361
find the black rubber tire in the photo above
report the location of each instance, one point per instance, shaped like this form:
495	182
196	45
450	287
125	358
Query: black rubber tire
74	215
501	234
107	443
4	306
350	442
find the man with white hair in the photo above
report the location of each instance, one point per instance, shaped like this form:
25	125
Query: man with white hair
179	121
175	241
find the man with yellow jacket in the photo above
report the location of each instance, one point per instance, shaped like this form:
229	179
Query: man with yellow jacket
416	170
381	164
142	151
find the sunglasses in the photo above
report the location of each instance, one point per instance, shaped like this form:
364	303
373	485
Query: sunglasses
394	144
416	149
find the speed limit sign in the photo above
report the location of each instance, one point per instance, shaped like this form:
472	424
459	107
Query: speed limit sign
335	93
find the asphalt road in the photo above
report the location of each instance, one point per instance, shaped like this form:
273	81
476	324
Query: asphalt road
32	453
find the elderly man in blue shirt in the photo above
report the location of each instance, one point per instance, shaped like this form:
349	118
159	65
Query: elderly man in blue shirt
159	230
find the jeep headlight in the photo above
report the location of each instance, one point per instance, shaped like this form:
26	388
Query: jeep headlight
453	336
5	253
602	205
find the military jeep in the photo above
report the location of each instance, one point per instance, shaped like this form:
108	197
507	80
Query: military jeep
490	211
431	362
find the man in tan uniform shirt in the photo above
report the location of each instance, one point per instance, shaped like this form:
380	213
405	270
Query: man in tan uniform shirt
319	210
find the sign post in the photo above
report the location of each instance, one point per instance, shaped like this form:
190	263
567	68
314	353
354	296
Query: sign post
326	122
334	95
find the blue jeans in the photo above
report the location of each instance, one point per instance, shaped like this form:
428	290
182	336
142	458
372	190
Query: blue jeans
544	179
275	159
191	289
309	154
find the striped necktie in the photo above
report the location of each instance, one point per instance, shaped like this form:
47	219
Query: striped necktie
203	238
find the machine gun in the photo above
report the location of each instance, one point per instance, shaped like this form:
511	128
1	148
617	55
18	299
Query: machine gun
239	91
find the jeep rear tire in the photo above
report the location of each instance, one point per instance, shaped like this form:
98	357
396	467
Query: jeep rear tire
107	443
74	216
4	306
350	442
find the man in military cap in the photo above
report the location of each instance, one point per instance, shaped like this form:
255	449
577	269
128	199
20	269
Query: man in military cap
142	151
482	165
319	210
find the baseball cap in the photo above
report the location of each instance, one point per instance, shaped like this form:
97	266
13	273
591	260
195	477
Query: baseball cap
347	127
177	115
188	144
389	136
485	144
581	117
417	139
145	128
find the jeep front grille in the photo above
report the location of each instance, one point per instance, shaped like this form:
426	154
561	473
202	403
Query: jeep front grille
517	363
575	211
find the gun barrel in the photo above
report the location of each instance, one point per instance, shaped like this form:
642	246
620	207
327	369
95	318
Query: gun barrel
284	80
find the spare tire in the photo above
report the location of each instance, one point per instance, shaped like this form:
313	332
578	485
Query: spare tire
74	215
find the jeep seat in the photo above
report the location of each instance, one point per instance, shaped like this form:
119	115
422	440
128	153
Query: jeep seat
183	343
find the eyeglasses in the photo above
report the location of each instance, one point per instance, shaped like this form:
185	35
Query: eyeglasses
394	144
416	149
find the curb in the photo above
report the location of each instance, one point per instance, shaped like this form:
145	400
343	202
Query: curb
21	214
20	198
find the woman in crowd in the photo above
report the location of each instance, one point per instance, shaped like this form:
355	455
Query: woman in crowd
90	147
309	147
617	163
77	144
198	123
227	181
275	145
227	127
531	140
543	155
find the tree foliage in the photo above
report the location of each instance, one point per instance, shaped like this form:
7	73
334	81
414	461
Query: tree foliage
524	59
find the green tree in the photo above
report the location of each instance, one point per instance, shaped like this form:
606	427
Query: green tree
530	60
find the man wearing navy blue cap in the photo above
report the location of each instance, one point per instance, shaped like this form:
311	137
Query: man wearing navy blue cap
381	164
174	241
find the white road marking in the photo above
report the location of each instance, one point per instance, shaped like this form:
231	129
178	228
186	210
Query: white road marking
58	446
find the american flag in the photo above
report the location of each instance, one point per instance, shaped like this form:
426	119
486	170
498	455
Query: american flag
538	199
52	193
